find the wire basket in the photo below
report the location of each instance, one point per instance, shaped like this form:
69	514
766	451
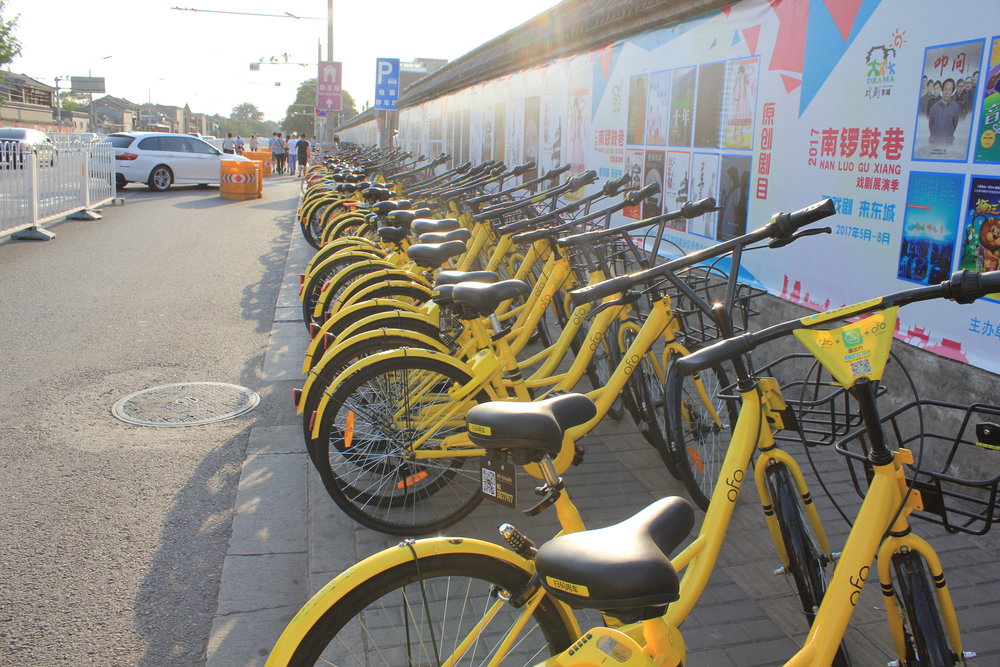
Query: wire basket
955	449
820	411
710	284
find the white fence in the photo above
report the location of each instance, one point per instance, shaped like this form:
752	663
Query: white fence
42	185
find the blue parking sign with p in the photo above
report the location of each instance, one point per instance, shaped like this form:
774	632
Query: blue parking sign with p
386	83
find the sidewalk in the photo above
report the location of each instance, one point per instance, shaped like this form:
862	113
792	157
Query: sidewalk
288	538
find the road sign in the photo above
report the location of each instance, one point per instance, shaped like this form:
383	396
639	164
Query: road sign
87	84
328	86
386	83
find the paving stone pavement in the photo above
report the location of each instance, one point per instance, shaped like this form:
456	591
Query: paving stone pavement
288	538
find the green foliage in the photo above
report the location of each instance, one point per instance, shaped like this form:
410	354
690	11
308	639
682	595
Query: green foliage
246	111
71	102
299	117
10	47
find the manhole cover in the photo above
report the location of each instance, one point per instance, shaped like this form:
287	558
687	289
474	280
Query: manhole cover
185	404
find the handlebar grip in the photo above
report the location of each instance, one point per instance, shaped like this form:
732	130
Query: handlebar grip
611	188
787	224
637	196
967	286
558	171
713	355
693	209
581	180
590	293
521	168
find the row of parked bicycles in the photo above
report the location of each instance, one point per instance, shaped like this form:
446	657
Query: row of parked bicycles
473	322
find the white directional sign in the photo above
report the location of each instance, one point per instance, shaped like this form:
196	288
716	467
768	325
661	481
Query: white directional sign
328	86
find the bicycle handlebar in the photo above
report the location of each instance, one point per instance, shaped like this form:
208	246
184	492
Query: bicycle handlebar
688	210
963	287
782	226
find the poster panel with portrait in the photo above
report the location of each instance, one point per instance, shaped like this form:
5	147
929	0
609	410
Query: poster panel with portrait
704	182
658	109
653	175
944	112
740	103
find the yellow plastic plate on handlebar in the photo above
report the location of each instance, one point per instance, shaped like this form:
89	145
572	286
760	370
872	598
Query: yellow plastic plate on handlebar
855	350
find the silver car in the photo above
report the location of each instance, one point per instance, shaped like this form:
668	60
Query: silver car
17	142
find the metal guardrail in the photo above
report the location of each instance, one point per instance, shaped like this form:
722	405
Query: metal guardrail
42	185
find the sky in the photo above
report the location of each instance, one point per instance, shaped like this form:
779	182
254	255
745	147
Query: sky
149	52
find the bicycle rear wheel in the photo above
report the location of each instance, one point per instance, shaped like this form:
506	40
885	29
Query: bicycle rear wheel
699	427
362	453
806	562
418	612
926	641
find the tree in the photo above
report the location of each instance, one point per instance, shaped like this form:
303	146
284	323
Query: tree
299	115
10	47
247	111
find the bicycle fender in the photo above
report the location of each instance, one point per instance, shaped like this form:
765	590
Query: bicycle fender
323	302
362	255
417	338
361	573
345	244
402	281
401	353
332	325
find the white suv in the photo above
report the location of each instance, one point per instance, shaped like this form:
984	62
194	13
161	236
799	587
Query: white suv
160	159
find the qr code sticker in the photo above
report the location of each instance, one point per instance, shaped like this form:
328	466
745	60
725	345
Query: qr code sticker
489	482
861	367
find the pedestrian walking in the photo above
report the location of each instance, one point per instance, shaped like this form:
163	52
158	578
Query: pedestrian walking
278	152
302	151
291	140
229	144
254	143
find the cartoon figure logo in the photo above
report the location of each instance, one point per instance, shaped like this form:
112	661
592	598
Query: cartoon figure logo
853	337
880	67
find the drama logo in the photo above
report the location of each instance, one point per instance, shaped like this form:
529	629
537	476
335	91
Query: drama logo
880	67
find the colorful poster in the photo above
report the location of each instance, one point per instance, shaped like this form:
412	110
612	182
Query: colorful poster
633	167
551	150
933	205
682	106
981	232
579	129
944	111
653	175
987	146
740	102
676	179
636	128
658	109
704	183
734	195
708	108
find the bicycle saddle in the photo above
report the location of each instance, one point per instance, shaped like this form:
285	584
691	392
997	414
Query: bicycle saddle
403	218
528	431
454	277
426	225
395	234
622	569
386	207
433	255
484	298
442	237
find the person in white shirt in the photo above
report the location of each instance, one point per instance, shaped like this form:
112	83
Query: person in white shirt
228	144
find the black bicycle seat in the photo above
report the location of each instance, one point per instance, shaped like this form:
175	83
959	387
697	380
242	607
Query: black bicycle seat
443	237
484	298
426	225
528	431
433	255
455	277
396	234
623	567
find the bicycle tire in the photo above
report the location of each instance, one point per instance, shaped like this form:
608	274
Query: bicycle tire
696	443
602	366
329	371
366	472
438	582
313	287
926	641
806	562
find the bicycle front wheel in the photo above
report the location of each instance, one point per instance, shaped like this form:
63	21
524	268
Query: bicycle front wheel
363	449
419	612
926	642
805	561
700	424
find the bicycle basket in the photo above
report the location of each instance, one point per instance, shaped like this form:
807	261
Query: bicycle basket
710	284
956	448
822	409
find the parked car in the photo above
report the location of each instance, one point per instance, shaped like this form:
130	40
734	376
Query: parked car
161	159
16	142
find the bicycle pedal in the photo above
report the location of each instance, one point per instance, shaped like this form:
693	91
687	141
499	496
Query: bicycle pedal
578	455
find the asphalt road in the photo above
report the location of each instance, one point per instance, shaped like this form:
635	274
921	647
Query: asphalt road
112	536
